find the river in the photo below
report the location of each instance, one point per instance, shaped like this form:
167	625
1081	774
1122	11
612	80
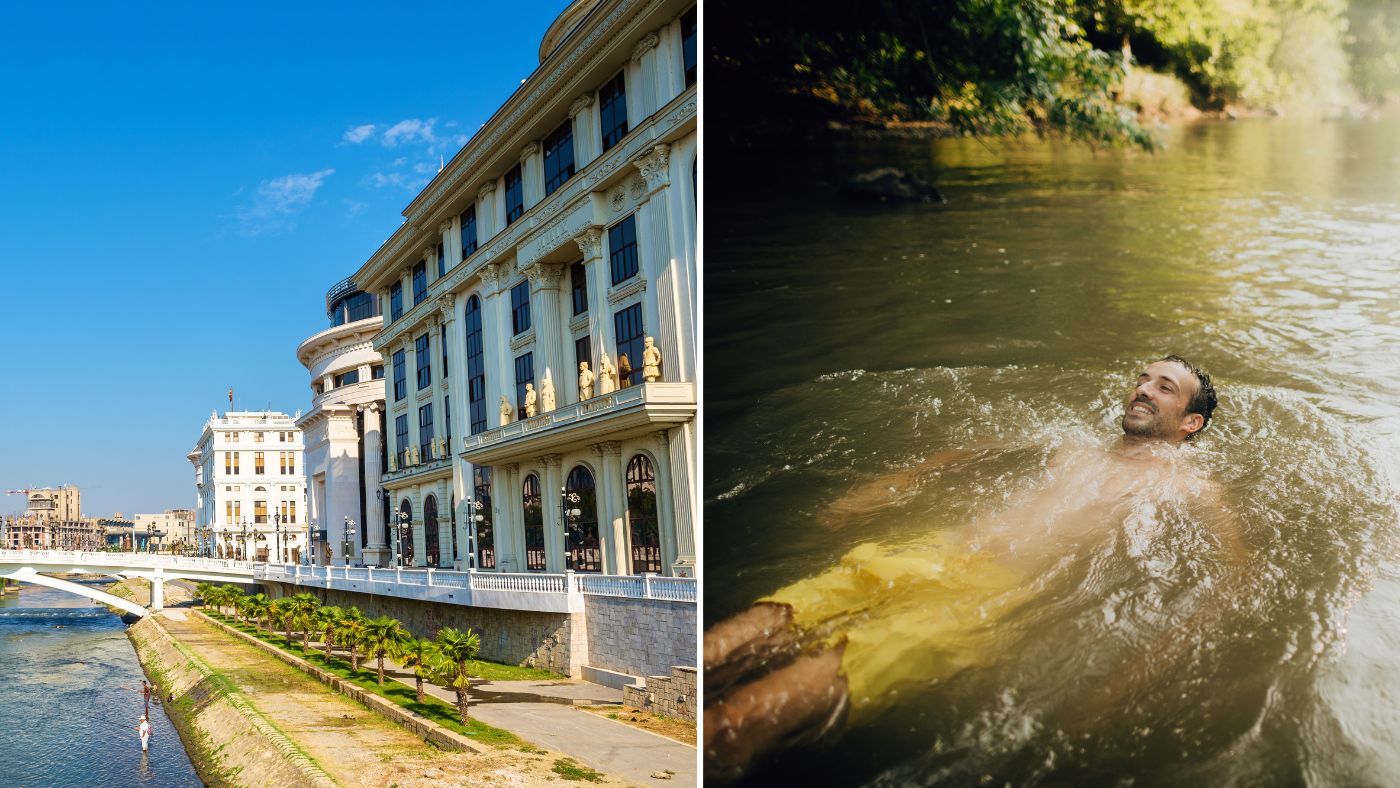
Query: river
71	700
846	342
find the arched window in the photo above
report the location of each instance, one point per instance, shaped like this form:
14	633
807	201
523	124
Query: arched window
485	538
476	368
534	524
430	531
405	533
585	554
641	515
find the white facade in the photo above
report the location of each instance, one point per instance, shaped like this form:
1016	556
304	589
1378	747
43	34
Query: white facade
343	435
250	487
604	257
174	527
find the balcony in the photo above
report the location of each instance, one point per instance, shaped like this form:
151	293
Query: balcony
417	467
604	417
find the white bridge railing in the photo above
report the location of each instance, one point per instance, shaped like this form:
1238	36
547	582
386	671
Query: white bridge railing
378	580
112	558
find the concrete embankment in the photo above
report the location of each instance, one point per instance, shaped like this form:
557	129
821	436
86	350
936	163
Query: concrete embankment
229	741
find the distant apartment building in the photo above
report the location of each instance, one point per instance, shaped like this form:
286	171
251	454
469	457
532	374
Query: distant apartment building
52	520
54	503
172	529
540	317
344	430
250	487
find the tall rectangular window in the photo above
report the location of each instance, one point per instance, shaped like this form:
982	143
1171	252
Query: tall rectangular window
515	195
468	231
622	249
520	308
228	513
400	381
688	46
447	423
443	343
612	111
425	432
228	463
425	361
578	281
258	467
420	283
442	260
401	440
524	373
395	301
628	327
291	462
260	511
558	157
291	511
476	367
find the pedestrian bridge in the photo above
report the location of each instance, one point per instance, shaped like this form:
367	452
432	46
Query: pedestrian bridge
38	566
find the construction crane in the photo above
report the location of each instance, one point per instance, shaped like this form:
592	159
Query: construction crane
18	492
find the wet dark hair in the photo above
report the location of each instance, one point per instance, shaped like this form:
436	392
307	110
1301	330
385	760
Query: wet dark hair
1204	401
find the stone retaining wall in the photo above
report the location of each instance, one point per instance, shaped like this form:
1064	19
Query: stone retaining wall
673	695
640	637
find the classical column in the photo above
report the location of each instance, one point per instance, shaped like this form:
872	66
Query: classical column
375	548
644	55
600	323
654	246
508	519
532	174
456	375
342	472
553	527
495	326
451	245
490	213
665	501
586	134
612	507
544	310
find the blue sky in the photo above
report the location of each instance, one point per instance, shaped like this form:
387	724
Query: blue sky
181	183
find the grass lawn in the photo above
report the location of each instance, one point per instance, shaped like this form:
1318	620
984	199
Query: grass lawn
444	714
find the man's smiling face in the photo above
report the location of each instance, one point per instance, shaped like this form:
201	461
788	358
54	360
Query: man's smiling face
1156	407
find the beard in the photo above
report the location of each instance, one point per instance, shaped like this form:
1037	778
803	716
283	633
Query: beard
1143	425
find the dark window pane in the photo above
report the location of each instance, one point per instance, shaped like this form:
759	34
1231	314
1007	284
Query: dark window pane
376	372
622	249
476	367
641	515
558	157
583	551
629	333
346	378
688	46
485	538
578	279
612	111
442	259
534	523
420	283
524	373
468	231
520	308
515	195
425	432
401	440
400	379
424	360
396	301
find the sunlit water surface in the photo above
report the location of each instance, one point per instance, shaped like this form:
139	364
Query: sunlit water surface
71	699
845	342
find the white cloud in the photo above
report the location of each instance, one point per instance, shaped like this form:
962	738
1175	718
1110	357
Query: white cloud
360	133
278	199
381	179
409	131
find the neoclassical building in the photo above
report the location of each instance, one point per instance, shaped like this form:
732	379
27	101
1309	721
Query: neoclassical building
562	235
343	430
250	487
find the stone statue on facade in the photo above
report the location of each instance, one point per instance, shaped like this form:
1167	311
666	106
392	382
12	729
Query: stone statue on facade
624	371
547	392
506	410
585	381
607	384
651	362
530	398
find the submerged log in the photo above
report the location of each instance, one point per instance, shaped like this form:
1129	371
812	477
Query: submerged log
887	184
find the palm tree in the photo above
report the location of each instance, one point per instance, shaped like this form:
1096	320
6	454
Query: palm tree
419	654
280	613
456	650
304	617
256	607
231	595
384	637
349	632
327	620
203	590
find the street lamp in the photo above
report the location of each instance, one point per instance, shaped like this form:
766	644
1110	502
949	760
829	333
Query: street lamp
243	542
277	522
568	517
310	552
474	516
404	525
345	543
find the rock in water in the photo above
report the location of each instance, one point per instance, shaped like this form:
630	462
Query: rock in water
891	184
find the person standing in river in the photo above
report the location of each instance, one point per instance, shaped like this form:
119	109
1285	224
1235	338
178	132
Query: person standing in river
838	647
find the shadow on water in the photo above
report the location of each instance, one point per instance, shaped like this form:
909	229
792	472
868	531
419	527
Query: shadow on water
852	342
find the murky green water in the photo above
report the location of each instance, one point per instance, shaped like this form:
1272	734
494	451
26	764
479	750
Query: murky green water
844	342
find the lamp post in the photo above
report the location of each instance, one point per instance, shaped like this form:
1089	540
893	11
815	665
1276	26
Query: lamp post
568	516
404	525
243	542
310	553
474	516
346	542
277	523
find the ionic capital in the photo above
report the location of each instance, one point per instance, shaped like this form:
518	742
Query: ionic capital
648	43
590	242
580	104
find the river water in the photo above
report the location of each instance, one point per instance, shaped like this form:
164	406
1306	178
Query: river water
71	699
844	343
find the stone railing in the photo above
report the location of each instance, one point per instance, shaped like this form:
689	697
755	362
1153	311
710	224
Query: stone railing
644	586
424	466
105	558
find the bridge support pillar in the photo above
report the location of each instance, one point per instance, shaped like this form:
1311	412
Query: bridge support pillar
157	593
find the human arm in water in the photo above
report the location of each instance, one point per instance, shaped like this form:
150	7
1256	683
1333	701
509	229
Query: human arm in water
873	495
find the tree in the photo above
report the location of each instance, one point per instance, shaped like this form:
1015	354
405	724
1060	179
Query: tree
420	654
456	650
204	590
256	608
327	620
229	596
304	617
280	613
349	632
384	637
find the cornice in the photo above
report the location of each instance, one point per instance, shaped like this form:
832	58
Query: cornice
334	336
